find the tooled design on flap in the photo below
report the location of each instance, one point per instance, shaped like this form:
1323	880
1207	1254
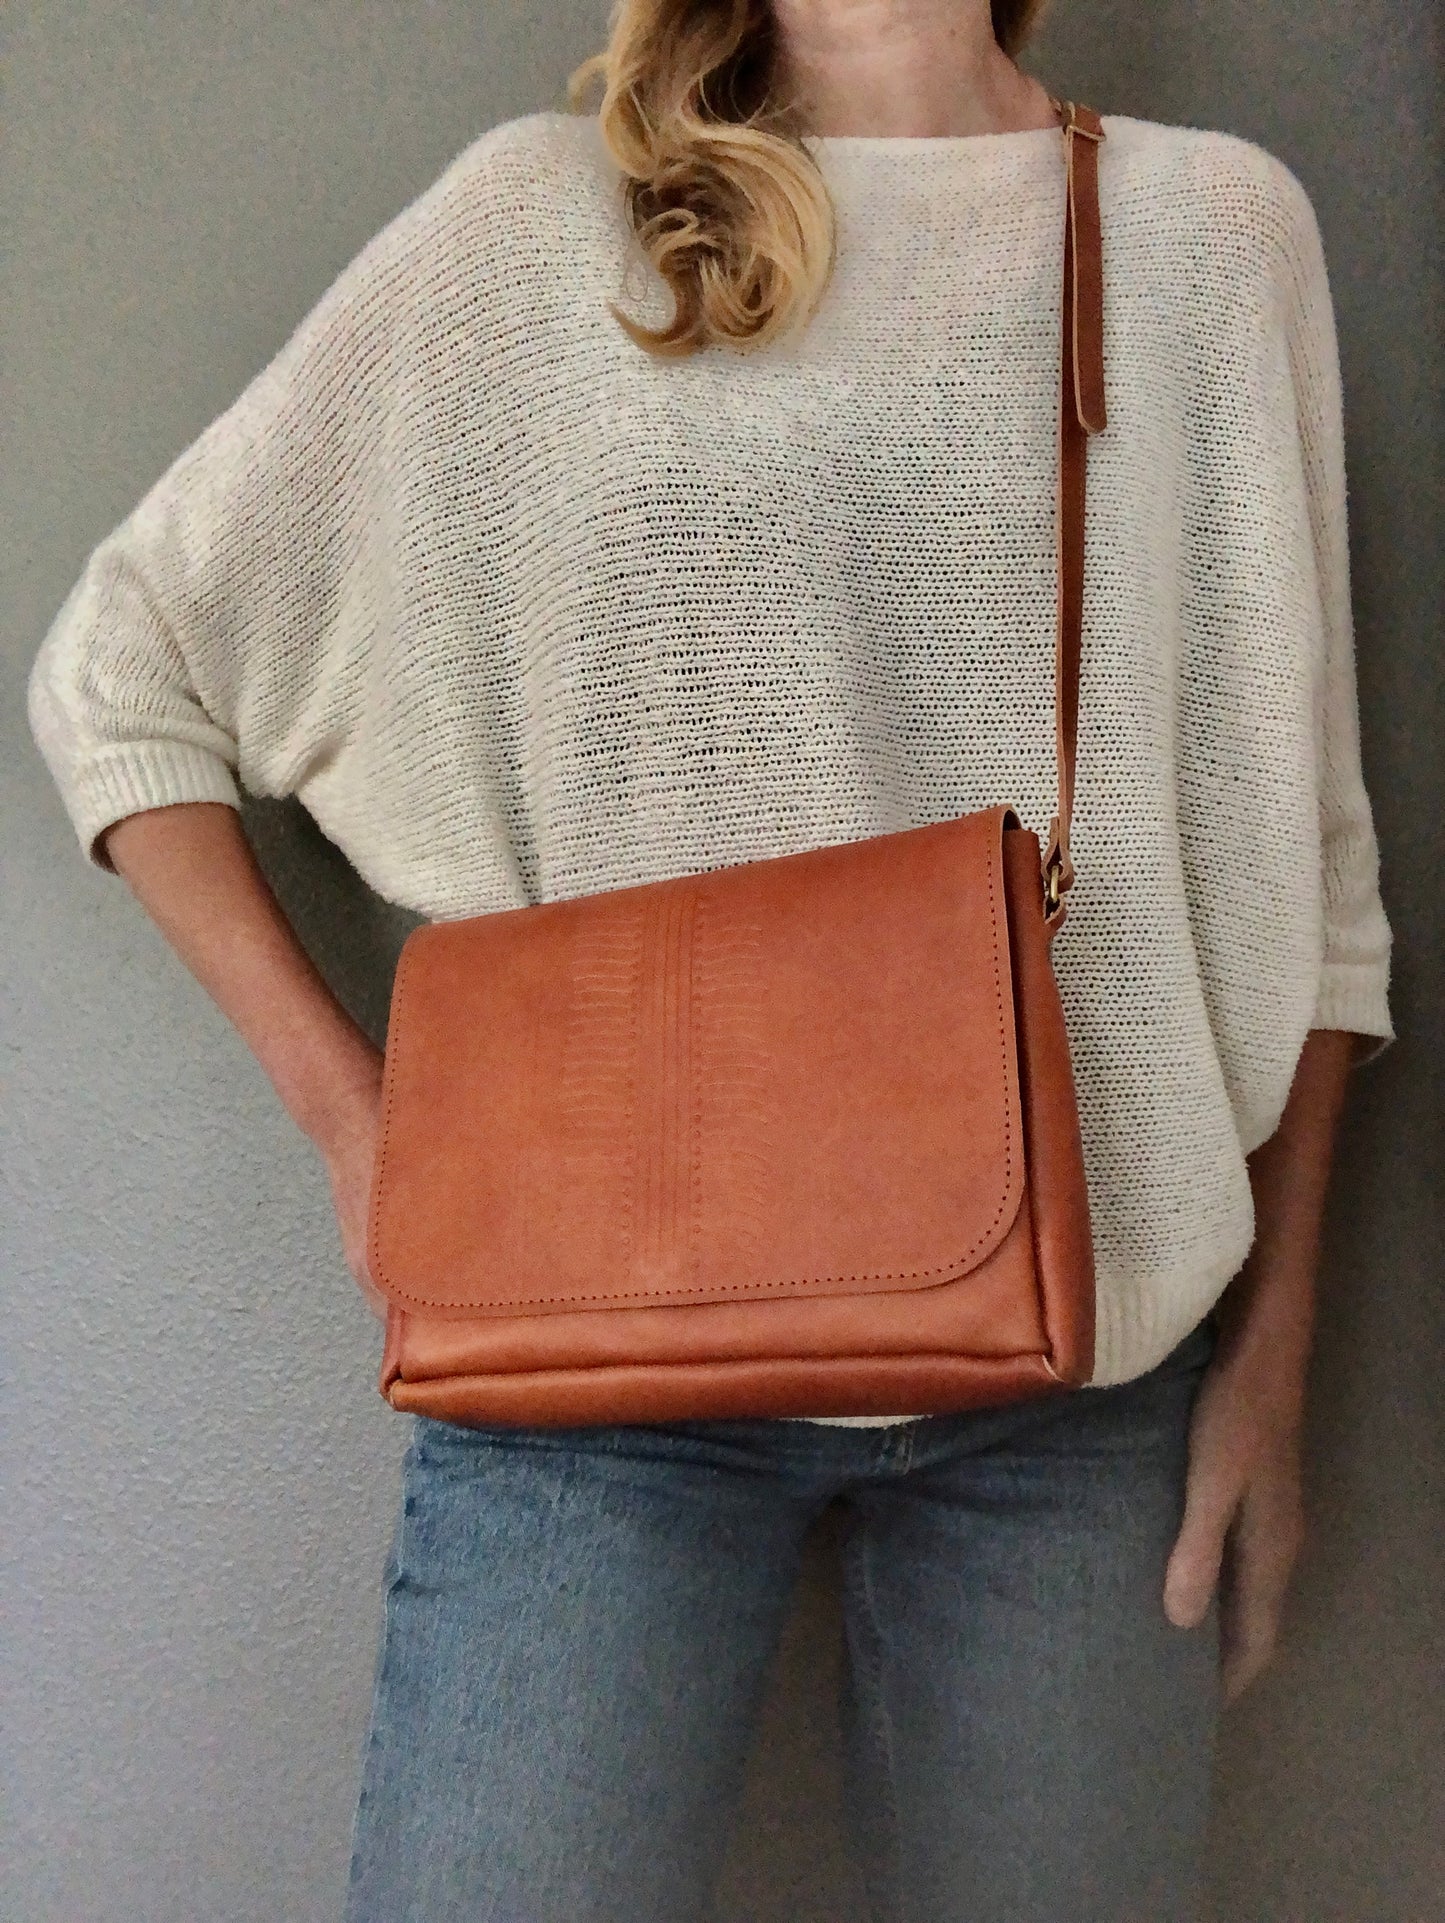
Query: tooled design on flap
597	1080
727	1020
660	1049
664	1204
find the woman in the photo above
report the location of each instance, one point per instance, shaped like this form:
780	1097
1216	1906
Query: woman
525	597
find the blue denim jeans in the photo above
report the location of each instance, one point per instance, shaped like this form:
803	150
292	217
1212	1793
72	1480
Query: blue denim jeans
579	1624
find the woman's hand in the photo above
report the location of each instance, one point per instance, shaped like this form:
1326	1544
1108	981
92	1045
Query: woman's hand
1243	1521
348	1147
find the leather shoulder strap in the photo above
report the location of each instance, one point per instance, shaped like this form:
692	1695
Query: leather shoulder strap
1081	413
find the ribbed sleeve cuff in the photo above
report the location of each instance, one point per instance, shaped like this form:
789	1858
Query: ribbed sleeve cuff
1354	996
126	777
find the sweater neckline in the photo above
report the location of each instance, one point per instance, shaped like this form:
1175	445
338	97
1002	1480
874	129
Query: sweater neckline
930	146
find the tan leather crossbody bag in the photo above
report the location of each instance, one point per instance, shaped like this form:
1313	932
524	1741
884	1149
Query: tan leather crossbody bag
792	1137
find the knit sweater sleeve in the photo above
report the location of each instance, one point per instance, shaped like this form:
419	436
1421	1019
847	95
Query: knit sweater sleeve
213	639
1354	976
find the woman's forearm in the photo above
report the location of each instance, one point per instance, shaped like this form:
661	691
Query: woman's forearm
1267	1312
193	871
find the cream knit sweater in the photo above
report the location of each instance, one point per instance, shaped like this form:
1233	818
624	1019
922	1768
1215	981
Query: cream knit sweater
519	612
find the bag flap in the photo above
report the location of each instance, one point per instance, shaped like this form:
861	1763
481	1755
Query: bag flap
786	1077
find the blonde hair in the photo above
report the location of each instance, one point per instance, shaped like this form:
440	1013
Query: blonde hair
725	200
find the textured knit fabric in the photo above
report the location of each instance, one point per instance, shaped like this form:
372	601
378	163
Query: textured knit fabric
521	612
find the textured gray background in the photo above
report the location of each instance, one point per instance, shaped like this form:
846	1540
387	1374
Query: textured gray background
194	1527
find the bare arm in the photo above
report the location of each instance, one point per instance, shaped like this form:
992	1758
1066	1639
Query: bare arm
1267	1314
192	869
1243	1521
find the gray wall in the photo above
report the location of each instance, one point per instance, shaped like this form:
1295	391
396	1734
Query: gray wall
194	1528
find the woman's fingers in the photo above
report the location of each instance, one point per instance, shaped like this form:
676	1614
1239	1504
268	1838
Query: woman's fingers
1262	1551
1197	1557
1215	1479
1242	1528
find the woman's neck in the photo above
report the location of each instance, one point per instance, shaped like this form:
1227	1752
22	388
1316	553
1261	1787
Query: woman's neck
902	67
